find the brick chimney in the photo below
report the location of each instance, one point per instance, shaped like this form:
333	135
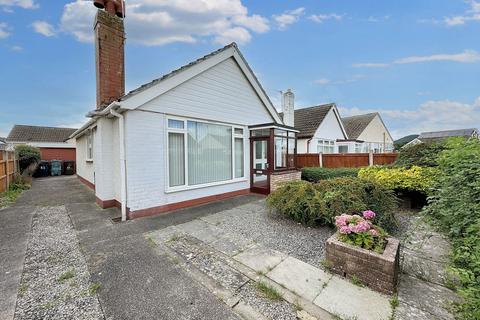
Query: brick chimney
109	54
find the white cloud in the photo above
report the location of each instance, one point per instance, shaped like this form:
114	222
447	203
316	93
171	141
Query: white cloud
429	116
320	18
323	81
7	5
472	14
375	19
288	17
158	22
44	28
15	48
4	30
370	65
467	56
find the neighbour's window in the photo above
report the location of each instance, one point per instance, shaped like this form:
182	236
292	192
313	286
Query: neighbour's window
201	153
342	149
326	146
90	146
359	148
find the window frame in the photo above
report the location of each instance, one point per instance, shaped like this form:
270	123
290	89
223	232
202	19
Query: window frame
284	134
184	131
331	143
89	141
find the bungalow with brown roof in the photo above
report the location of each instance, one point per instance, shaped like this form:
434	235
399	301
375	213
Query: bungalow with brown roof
53	142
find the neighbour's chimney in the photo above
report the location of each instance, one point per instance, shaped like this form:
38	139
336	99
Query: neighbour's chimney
288	108
109	51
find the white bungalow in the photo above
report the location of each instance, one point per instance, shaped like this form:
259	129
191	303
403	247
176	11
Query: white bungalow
203	132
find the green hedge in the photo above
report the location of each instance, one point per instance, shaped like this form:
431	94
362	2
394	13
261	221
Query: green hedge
26	155
423	154
318	203
315	174
455	206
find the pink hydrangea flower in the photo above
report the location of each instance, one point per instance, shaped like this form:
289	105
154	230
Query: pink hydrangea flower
345	230
373	232
369	214
342	220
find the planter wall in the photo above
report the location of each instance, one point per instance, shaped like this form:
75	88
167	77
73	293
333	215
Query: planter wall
376	271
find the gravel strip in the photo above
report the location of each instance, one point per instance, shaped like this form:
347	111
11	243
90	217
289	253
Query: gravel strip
254	221
55	281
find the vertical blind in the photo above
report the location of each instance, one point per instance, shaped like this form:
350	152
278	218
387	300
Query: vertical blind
209	152
176	159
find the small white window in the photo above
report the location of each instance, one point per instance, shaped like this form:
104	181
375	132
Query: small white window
90	146
326	146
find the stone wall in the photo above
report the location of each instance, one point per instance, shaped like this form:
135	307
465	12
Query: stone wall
376	271
277	178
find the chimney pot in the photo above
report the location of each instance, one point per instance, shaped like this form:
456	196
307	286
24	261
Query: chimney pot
100	4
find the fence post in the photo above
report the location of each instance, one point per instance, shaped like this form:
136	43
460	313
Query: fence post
5	155
370	158
320	159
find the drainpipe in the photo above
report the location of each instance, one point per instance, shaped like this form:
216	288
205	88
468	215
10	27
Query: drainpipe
123	177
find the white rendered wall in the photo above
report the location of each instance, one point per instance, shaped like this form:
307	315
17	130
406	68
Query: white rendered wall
329	129
375	132
85	169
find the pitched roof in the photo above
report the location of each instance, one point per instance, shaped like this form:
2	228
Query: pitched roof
307	120
22	133
356	124
447	133
3	140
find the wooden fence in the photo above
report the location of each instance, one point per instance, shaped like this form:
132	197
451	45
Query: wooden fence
344	160
8	169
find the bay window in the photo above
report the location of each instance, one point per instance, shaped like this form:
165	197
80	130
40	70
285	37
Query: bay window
326	146
202	153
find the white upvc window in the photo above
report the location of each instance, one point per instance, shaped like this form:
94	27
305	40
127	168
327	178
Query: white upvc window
89	146
203	153
326	146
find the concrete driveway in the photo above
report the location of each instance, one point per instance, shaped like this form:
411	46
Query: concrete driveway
136	282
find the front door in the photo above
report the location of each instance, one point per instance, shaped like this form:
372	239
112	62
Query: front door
260	173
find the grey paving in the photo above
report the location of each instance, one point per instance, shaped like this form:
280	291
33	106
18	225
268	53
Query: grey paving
136	282
15	225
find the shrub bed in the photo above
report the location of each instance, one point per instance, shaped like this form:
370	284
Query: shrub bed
414	178
455	207
318	203
423	154
315	174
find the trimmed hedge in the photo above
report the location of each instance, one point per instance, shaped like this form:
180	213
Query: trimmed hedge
423	154
318	203
415	178
27	155
315	174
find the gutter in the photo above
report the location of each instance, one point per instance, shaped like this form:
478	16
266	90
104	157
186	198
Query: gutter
123	176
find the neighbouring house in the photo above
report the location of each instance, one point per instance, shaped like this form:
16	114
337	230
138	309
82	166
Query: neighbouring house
433	136
203	132
54	143
3	143
366	133
320	127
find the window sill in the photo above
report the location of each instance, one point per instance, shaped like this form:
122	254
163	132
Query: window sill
206	185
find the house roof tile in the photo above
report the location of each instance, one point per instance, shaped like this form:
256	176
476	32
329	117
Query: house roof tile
307	120
24	133
355	125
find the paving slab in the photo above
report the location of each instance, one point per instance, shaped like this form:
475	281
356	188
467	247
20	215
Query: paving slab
434	298
346	300
201	230
260	259
408	312
299	277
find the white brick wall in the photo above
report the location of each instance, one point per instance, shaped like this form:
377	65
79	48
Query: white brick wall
103	162
146	165
84	169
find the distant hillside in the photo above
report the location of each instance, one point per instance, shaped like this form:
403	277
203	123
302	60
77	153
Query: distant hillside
403	141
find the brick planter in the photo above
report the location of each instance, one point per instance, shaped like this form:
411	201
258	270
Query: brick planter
376	271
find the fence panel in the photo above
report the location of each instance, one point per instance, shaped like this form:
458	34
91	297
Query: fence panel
308	160
7	169
346	160
384	158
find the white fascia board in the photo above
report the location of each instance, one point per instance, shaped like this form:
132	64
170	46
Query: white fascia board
340	122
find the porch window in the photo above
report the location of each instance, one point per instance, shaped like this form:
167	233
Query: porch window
202	153
326	146
285	145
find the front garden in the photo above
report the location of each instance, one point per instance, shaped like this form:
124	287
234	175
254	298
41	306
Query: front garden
443	178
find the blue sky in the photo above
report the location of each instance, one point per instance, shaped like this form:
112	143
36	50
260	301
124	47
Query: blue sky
416	62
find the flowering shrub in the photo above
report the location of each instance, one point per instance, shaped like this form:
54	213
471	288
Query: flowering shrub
360	231
413	179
